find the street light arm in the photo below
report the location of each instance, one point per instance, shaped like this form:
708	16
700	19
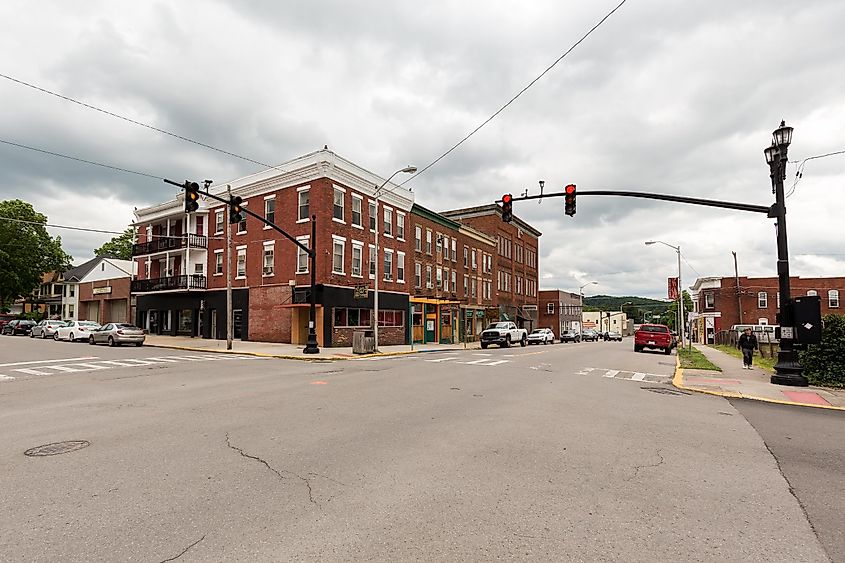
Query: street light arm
675	248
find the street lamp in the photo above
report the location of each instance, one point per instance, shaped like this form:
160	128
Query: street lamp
581	295
376	194
680	313
788	370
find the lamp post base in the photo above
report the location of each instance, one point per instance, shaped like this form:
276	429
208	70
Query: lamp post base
788	371
311	346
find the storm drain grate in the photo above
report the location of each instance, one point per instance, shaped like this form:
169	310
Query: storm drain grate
664	390
57	448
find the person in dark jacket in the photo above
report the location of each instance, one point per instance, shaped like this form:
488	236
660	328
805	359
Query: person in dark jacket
747	343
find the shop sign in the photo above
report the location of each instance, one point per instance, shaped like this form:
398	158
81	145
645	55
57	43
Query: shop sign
361	291
102	290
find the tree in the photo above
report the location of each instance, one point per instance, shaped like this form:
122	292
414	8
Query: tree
119	246
27	251
670	317
824	363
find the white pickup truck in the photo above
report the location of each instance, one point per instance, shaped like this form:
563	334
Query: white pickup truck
504	334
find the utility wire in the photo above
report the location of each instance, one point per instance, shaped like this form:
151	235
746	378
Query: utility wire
518	94
799	173
135	122
89	230
119	169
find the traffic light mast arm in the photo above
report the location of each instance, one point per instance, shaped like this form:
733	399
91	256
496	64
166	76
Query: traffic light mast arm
309	251
664	197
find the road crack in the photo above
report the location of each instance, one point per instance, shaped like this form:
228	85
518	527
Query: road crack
279	472
184	551
638	467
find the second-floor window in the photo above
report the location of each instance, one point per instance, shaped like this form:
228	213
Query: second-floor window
372	262
762	300
373	212
428	241
269	266
337	209
218	222
400	226
242	224
454	281
338	249
356	211
388	265
550	308
709	301
270	210
302	256
428	283
418	239
833	298
400	267
417	274
218	263
454	250
357	257
388	222
241	271
303	204
466	257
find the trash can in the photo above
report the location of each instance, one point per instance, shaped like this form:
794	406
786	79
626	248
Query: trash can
363	342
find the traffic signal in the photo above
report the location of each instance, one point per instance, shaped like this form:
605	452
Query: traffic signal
507	208
192	196
569	199
236	212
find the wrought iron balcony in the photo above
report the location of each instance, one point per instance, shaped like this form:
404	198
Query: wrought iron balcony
169	243
170	283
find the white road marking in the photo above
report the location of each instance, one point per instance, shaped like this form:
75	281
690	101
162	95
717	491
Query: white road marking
476	362
611	373
497	362
66	369
91	367
482	354
31	371
6	378
169	360
49	361
116	363
438	360
638	376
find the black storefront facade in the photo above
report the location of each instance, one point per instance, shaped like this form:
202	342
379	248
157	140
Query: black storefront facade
198	314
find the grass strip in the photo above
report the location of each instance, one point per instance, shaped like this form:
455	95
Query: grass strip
693	359
767	364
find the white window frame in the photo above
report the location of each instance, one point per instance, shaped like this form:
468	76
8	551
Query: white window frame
306	240
709	301
357	199
216	263
454	250
550	308
372	256
417	274
445	247
428	247
300	192
400	267
359	247
429	284
267	200
418	238
387	266
762	300
439	278
454	281
400	225
387	228
241	251
342	219
218	221
372	215
271	245
812	293
833	298
336	240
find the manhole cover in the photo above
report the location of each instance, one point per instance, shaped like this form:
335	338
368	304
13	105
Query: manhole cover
664	390
57	448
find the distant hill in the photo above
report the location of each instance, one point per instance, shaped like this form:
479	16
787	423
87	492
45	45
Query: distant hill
613	303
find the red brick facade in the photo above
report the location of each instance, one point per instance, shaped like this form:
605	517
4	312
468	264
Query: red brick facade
559	310
102	307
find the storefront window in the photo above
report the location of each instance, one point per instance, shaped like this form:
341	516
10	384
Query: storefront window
186	321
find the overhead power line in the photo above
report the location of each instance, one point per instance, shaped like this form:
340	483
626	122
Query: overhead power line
518	94
799	173
135	121
51	153
89	230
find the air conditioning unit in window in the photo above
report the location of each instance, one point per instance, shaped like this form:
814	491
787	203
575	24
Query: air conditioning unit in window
268	271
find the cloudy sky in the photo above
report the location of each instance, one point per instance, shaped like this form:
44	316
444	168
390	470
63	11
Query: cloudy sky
670	97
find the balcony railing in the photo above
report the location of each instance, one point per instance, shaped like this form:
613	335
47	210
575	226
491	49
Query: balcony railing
170	283
169	243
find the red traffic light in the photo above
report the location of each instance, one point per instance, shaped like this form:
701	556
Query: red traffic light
570	189
507	198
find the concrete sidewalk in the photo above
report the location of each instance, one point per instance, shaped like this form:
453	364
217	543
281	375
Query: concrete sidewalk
733	381
290	351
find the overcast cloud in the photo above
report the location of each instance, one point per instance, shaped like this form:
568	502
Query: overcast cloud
667	97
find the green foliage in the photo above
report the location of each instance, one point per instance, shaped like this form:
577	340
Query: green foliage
26	251
824	364
119	246
691	358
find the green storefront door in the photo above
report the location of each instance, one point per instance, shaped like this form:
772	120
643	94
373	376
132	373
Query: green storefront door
430	323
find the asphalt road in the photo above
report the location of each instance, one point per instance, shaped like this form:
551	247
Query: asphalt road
576	452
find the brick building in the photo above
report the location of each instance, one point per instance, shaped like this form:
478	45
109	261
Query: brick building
718	304
516	261
182	262
436	274
559	310
452	280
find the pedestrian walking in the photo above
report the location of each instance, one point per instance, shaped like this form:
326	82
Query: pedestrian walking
747	343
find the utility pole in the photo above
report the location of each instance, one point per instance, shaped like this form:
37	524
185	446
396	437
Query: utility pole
311	344
229	277
738	295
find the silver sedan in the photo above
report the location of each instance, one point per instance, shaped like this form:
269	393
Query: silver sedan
45	329
115	334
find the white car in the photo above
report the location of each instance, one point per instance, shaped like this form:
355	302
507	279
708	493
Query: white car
541	336
75	330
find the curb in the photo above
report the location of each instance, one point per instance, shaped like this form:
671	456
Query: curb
282	356
678	381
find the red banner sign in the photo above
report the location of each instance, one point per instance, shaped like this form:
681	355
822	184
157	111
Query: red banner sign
673	288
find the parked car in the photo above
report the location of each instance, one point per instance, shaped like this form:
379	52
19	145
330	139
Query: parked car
18	326
504	334
653	336
541	336
75	330
613	335
570	336
589	335
115	334
45	329
5	318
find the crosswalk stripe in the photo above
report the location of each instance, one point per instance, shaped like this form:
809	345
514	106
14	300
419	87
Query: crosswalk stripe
117	363
638	376
6	378
438	360
476	362
32	371
91	367
611	373
165	359
497	362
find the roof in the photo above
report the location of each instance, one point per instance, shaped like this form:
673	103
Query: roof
489	209
78	272
418	209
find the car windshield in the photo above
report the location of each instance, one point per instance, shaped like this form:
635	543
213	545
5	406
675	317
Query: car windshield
497	325
538	331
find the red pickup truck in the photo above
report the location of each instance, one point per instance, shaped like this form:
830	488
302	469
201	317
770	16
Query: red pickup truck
653	336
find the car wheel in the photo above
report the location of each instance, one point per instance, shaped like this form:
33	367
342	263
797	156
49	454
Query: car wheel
111	342
56	336
637	349
70	337
667	351
523	342
139	344
31	335
91	340
43	335
483	345
507	343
